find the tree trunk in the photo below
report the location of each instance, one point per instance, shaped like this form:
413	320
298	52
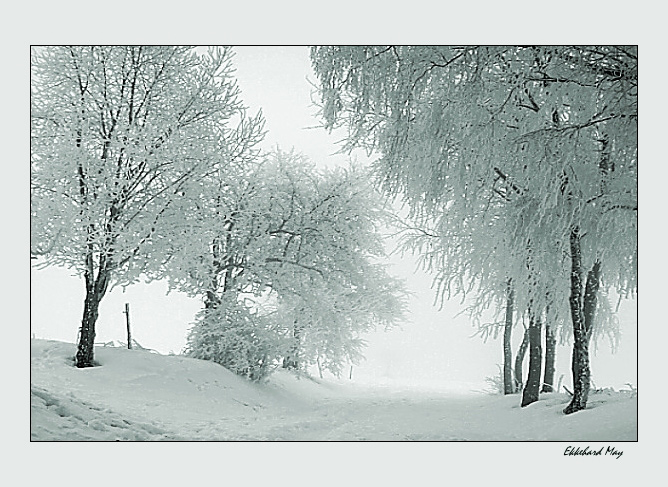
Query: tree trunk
85	354
94	294
583	320
291	361
521	352
579	359
550	358
508	384
531	390
583	313
212	301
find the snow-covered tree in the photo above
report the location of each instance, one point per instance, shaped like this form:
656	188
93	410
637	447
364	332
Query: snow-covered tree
299	247
119	135
524	159
238	337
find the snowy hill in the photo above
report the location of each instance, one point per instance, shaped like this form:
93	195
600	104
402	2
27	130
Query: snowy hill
137	395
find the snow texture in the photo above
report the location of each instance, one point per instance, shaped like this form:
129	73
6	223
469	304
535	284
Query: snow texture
135	395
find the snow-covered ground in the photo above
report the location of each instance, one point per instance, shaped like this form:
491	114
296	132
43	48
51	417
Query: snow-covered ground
142	396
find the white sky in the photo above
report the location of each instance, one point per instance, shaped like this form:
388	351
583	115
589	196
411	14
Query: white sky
432	348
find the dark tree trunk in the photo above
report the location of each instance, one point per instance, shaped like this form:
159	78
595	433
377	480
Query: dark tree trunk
508	384
550	359
583	313
579	359
583	320
212	301
531	390
290	362
591	297
94	294
85	354
521	352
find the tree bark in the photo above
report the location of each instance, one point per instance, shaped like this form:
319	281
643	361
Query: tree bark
291	360
531	390
579	362
521	352
509	387
212	301
550	359
583	320
583	313
94	294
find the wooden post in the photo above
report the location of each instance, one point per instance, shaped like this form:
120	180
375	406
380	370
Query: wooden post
127	322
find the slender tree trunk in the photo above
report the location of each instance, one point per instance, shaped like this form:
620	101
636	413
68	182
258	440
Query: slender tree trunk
579	359
583	320
531	390
591	297
550	358
212	300
521	352
583	310
291	361
508	384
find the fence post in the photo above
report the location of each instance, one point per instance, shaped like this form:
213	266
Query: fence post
127	322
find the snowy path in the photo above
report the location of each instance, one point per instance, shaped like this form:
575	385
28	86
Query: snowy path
414	416
354	418
380	418
140	396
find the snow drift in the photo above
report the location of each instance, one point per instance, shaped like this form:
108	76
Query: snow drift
135	395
